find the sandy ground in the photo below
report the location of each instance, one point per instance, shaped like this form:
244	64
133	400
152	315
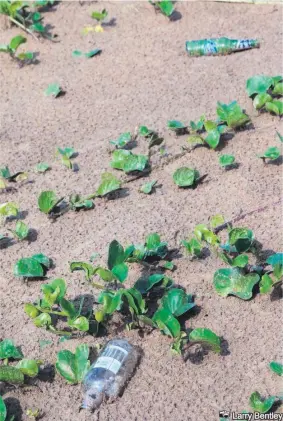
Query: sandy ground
143	76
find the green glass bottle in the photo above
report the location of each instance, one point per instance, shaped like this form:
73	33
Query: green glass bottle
219	46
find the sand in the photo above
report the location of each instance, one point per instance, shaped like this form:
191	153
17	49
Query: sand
143	76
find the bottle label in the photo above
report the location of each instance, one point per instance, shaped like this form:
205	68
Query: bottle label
111	358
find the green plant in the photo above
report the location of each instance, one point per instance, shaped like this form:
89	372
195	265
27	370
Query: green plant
109	183
185	177
55	303
12	48
21	231
164	6
232	115
73	367
177	126
123	140
277	368
273	278
8	209
32	267
18	176
33	414
151	135
48	202
53	89
226	160
99	16
24	367
212	135
232	281
19	14
280	137
127	161
261	405
42	167
271	153
147	188
193	247
117	269
76	202
152	249
92	53
264	90
3	410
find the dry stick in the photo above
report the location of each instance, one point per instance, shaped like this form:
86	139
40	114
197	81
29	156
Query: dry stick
242	216
23	27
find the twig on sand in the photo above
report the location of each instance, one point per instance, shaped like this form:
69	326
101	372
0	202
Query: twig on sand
243	215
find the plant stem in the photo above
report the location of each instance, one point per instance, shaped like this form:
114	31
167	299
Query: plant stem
23	27
59	332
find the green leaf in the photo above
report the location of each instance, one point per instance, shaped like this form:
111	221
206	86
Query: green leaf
10	374
9	209
86	267
277	368
213	138
271	153
278	89
111	302
105	274
68	308
109	183
216	220
195	140
120	272
122	140
21	231
42	259
168	265
176	125
28	367
38	27
77	53
42	167
28	268
53	89
9	350
47	201
261	405
152	241
177	302
54	291
4	48
16	42
69	152
116	254
145	131
258	84
193	247
144	284
185	177
241	238
226	160
3	410
31	311
43	320
202	233
73	367
166	7
25	56
274	259
167	323
5	173
260	100
275	107
93	53
240	261
233	282
147	187
77	202
206	337
265	285
80	323
127	161
232	114
99	16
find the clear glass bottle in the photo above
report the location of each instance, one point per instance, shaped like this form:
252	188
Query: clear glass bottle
108	375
